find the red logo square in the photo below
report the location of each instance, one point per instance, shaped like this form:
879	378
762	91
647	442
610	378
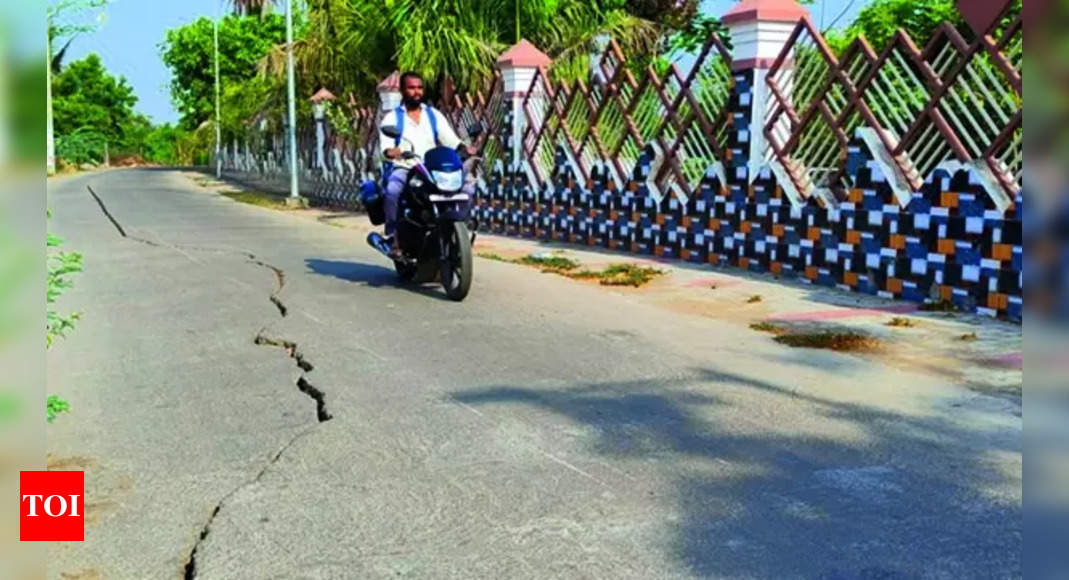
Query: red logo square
51	506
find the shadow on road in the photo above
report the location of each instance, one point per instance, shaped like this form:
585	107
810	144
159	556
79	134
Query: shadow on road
370	275
857	492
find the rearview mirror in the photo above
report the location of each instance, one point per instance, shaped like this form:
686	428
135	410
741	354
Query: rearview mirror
391	132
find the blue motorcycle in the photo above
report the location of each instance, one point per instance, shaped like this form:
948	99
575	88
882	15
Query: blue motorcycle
433	219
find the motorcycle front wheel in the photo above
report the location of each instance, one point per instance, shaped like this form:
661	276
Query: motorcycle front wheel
456	270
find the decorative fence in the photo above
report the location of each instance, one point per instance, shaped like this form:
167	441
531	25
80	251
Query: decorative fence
894	172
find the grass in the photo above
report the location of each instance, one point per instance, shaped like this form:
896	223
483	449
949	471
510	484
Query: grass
621	275
753	299
257	198
902	322
613	275
765	326
549	263
940	306
829	340
968	337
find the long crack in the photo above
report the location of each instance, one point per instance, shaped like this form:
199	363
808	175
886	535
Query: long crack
191	562
305	365
280	275
291	350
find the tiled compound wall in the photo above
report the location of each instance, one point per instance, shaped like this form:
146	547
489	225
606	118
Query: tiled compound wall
894	173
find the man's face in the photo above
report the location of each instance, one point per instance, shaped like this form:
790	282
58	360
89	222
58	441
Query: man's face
412	92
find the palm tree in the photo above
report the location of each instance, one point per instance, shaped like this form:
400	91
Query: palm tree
350	45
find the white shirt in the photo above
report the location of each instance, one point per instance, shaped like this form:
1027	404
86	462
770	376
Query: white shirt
418	133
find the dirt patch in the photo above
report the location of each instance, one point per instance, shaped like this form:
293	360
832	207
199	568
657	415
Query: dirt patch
73	463
843	341
902	322
87	574
754	299
94	511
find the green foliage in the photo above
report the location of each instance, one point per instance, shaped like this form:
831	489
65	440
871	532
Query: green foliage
878	22
349	46
56	405
83	145
90	108
61	265
163	143
693	35
65	20
189	52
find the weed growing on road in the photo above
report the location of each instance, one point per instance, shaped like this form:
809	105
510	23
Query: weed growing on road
765	326
555	264
61	265
902	322
968	337
754	299
625	275
257	198
840	341
940	306
56	405
612	275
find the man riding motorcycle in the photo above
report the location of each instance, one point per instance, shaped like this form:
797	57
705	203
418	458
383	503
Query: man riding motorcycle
422	128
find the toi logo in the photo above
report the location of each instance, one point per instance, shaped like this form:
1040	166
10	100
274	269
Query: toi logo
51	506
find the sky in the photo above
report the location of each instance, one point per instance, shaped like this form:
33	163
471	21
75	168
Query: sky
128	41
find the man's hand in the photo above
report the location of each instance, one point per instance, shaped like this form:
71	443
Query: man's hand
392	153
472	151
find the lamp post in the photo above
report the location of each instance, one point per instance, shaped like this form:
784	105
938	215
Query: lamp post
291	103
218	130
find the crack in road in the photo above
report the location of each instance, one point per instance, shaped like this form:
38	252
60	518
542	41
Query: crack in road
302	363
289	346
191	563
280	275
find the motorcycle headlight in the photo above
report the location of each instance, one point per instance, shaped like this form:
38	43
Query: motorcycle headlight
448	180
416	183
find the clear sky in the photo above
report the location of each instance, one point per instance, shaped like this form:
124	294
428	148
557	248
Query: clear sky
128	42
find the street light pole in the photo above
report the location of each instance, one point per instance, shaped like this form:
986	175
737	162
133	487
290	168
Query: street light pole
218	130
291	104
50	160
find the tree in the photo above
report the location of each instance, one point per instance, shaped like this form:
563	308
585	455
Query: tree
348	46
879	21
66	20
188	52
58	27
87	99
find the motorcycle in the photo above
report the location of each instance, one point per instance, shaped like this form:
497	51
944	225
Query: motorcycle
433	220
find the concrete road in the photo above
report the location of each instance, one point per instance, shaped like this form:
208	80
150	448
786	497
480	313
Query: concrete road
543	428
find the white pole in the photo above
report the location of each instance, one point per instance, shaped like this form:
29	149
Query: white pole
292	129
218	130
50	167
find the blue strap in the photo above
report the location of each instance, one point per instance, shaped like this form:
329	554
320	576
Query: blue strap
399	112
399	121
434	123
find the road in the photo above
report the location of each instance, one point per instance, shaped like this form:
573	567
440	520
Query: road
543	428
